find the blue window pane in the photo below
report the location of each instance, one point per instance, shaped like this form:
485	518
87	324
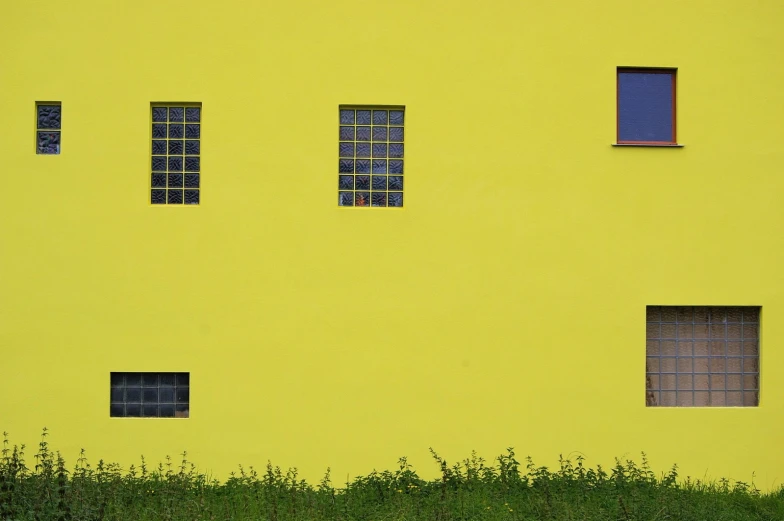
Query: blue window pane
395	182
363	182
379	117
347	133
379	150
346	166
396	134
159	147
363	149
346	199
363	117
379	199
396	167
379	133
363	133
346	182
396	150
193	114
379	182
159	114
346	149
395	199
645	107
395	117
175	164
363	166
379	166
347	117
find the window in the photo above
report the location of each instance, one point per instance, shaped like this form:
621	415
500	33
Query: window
702	356
48	127
150	395
176	154
646	106
370	153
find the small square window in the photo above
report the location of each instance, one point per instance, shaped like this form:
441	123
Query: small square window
161	395
176	146
48	127
702	356
646	106
370	142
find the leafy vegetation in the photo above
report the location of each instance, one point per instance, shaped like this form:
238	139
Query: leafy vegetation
470	490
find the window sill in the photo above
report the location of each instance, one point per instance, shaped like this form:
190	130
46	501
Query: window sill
659	145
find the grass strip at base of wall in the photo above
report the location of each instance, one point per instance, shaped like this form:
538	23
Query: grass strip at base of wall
473	489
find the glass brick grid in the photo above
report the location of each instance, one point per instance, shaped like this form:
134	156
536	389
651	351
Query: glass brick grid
176	154
150	395
370	153
48	125
702	356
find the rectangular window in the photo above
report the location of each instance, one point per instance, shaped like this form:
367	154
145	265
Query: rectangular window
646	106
370	151
149	395
48	117
702	356
176	154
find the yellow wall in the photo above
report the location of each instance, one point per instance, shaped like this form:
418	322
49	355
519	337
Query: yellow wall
503	306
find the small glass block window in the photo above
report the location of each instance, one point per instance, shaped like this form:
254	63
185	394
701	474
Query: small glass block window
702	356
646	106
149	395
370	156
48	127
175	166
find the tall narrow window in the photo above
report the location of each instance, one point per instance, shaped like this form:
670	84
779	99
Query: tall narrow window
646	106
48	127
176	154
702	356
370	156
150	395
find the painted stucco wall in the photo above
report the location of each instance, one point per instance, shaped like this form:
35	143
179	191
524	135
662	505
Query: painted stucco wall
504	305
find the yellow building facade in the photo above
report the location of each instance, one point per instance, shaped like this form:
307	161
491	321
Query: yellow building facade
503	304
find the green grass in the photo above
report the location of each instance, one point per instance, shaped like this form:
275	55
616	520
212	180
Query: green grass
473	489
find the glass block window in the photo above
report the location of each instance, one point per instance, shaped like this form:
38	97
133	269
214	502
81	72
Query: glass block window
702	356
149	395
175	176
646	106
48	127
370	156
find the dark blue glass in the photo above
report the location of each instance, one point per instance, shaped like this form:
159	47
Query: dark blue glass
193	131
361	198
48	143
176	131
193	114
175	164
346	182
363	149
176	114
396	150
379	182
117	410
379	150
48	116
159	147
192	196
133	410
645	107
150	410
395	199
395	117
183	378
192	148
158	196
395	167
159	164
150	395
347	133
363	166
379	133
158	181
346	149
346	117
363	117
346	199
363	182
159	114
396	133
174	196
363	133
133	394
192	180
175	180
379	199
380	117
159	131
192	164
175	147
379	166
395	182
346	166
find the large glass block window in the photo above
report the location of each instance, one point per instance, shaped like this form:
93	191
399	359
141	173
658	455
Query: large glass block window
175	176
48	127
370	150
646	106
150	395
702	356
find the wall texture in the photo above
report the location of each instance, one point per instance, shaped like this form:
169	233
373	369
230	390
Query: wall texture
504	305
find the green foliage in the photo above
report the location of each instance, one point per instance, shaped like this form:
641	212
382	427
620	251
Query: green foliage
469	490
